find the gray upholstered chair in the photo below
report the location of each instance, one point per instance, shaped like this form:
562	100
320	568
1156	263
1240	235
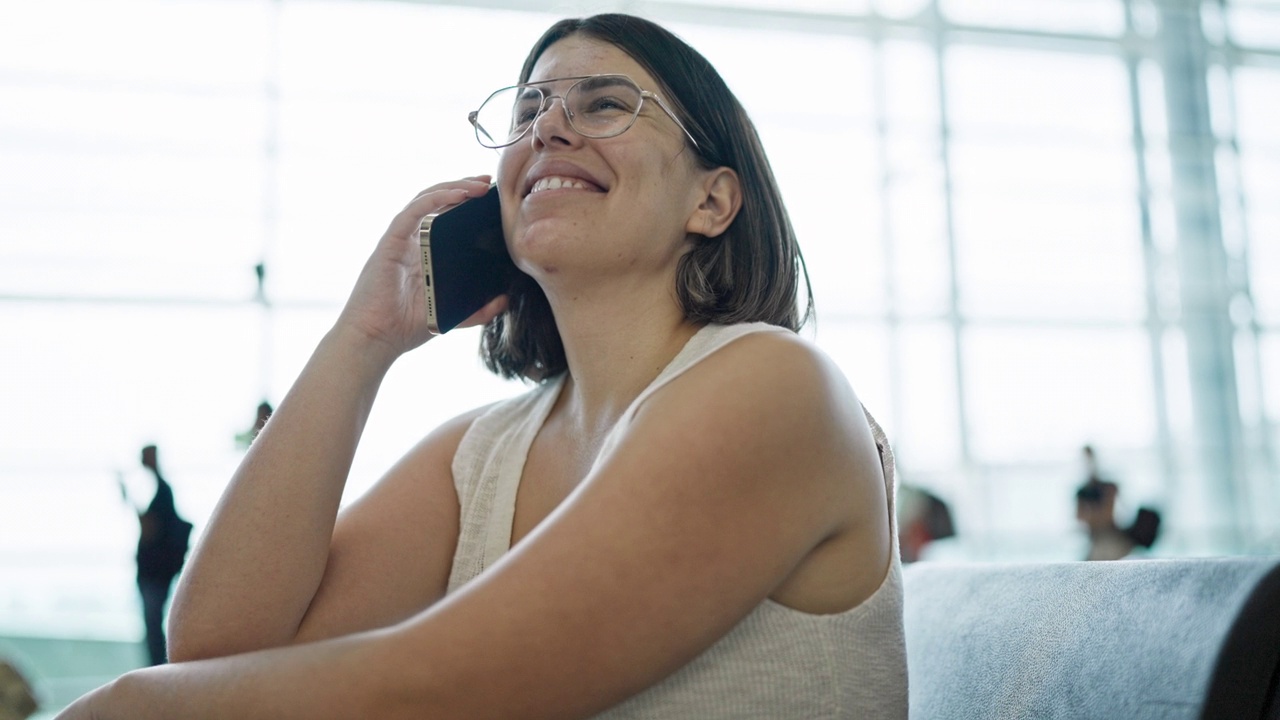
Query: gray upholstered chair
1132	639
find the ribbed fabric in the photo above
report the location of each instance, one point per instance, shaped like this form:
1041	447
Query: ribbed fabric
777	662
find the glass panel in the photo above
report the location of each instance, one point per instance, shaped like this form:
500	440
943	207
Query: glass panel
1177	390
929	432
329	161
1257	96
1264	263
914	179
1155	113
1087	172
1269	346
803	99
87	116
836	221
180	374
1011	93
1218	84
1036	257
901	8
1254	24
917	224
133	255
1038	392
1257	93
1045	215
1212	22
819	141
1231	203
423	390
861	350
105	192
1097	17
910	86
1146	17
841	7
188	44
390	50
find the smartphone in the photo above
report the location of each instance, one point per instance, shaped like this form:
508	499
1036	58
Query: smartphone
464	259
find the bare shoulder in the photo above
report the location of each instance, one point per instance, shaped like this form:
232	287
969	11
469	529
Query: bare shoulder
786	379
776	409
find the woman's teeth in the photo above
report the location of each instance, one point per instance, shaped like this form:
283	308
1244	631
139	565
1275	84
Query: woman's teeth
555	183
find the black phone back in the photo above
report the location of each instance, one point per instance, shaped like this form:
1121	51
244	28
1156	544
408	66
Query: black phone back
469	261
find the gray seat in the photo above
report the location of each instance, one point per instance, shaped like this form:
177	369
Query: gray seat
1135	639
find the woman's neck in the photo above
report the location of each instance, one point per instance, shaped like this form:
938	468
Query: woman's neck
615	344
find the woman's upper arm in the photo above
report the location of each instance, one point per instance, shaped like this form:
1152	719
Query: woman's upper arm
392	549
724	482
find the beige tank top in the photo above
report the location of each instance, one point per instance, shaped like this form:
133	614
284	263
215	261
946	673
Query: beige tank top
777	662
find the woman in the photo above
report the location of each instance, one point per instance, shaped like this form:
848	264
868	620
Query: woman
686	517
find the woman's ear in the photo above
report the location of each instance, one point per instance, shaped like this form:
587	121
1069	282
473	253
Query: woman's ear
721	201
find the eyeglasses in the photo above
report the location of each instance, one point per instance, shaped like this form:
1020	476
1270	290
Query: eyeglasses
597	106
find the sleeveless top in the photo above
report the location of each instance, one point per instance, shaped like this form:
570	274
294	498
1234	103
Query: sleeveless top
775	663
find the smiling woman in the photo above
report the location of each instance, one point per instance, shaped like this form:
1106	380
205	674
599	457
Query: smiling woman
689	515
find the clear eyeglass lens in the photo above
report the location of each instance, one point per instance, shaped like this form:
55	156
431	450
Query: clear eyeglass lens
599	107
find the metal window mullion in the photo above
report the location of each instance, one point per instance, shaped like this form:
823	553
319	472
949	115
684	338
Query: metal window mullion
1203	284
272	91
977	485
892	317
1151	262
1230	59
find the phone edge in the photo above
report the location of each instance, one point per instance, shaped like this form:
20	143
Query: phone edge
424	245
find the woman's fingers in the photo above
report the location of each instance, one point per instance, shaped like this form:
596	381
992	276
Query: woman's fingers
464	183
436	198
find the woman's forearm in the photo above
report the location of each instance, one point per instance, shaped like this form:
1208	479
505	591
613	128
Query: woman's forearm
348	677
258	565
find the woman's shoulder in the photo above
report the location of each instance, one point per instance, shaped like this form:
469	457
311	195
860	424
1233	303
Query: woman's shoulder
774	358
764	375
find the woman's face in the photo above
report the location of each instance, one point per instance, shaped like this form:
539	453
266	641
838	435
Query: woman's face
625	201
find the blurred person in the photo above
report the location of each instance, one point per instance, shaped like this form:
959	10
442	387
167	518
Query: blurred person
262	415
17	700
689	514
1096	509
163	538
923	519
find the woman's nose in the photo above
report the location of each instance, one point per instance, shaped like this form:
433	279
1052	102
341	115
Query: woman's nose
553	125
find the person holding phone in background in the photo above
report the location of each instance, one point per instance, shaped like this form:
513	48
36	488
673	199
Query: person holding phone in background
689	514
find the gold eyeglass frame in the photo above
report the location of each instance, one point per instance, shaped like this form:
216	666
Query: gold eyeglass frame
546	101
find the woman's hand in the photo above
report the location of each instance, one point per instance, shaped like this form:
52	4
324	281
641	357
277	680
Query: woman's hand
388	304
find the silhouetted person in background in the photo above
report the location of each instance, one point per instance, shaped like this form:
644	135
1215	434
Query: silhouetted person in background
1096	508
17	700
923	518
245	439
162	548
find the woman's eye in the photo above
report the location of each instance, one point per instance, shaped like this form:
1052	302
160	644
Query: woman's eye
606	104
525	116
